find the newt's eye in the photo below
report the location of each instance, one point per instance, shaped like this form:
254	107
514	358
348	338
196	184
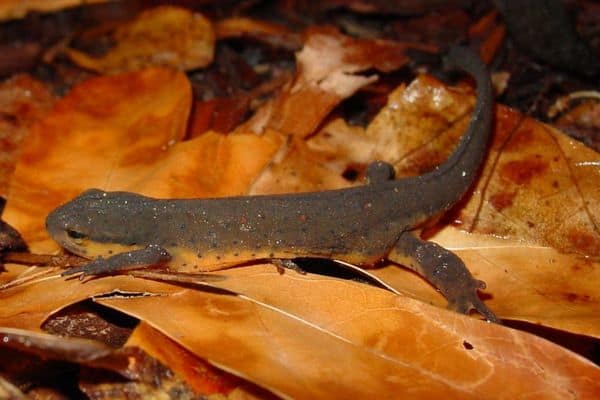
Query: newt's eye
75	235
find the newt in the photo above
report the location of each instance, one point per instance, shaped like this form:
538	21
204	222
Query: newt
362	225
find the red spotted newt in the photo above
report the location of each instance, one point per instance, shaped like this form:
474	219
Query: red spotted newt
361	225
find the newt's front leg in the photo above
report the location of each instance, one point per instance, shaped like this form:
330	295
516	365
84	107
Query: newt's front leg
151	255
445	270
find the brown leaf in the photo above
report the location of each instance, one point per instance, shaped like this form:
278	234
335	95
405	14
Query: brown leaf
199	374
288	329
538	187
130	362
358	333
23	101
274	34
28	306
524	282
163	36
142	134
54	347
328	67
82	130
10	9
526	278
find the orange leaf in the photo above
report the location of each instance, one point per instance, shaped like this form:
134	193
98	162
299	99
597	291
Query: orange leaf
133	144
203	377
526	278
23	101
328	67
318	337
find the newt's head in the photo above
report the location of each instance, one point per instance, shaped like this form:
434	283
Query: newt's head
98	223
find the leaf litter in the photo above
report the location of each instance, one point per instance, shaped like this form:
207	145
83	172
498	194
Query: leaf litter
312	335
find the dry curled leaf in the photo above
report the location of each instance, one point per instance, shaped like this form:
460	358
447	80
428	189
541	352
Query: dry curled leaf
329	67
163	36
148	376
275	35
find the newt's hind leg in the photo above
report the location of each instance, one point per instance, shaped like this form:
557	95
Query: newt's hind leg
445	270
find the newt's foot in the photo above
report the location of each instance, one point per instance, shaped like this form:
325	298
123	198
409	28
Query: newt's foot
285	263
445	270
466	299
151	255
97	267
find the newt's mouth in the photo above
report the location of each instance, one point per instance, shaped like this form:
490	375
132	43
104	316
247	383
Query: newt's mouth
64	239
70	239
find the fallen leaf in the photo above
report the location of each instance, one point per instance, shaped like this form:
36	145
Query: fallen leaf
10	9
297	335
88	127
28	306
527	283
344	337
527	279
23	100
273	34
162	36
489	35
539	188
281	321
142	133
583	120
9	391
54	347
149	375
328	72
199	374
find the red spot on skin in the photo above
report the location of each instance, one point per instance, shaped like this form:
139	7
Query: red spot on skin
302	218
243	220
522	171
502	200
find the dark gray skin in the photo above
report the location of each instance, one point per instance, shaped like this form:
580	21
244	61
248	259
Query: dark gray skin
361	225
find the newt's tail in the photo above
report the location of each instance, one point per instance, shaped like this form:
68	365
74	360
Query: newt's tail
441	188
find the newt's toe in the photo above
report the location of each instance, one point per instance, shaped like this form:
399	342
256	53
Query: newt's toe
467	302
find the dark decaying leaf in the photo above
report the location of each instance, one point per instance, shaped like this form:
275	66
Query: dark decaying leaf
146	376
